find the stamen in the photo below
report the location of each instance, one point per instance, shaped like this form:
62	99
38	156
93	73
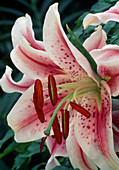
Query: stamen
38	100
65	123
39	111
42	143
38	91
52	90
56	130
80	109
47	131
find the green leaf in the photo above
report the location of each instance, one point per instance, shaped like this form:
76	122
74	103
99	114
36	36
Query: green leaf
64	5
9	100
107	27
11	11
19	161
3	166
71	17
32	150
6	22
21	147
5	36
7	136
9	149
38	166
100	7
63	168
80	47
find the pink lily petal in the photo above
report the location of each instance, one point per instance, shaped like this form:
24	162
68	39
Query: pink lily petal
23	118
23	28
10	86
32	62
52	162
94	134
103	17
107	60
115	121
96	41
60	49
55	150
76	155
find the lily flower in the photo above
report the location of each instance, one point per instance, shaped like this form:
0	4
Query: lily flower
103	17
67	101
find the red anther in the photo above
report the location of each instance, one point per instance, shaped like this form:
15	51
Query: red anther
65	123
42	143
117	153
38	91
38	100
80	109
52	90
56	130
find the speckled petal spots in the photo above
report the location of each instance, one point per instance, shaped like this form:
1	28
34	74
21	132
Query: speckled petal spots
52	90
56	130
59	47
65	123
95	133
80	109
42	143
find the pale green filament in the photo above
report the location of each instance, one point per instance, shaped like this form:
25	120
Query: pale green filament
47	131
67	103
47	99
78	88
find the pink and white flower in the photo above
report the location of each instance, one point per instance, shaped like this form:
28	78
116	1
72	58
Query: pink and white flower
71	91
103	17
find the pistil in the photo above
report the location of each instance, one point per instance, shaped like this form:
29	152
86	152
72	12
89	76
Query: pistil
47	131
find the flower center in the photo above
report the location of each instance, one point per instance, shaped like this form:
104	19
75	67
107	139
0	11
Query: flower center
70	101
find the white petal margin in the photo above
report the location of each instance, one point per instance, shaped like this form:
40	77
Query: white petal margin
23	28
107	60
60	49
55	150
97	39
32	62
52	162
103	17
9	85
76	155
95	135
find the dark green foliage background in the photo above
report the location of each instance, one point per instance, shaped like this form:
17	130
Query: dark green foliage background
27	156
